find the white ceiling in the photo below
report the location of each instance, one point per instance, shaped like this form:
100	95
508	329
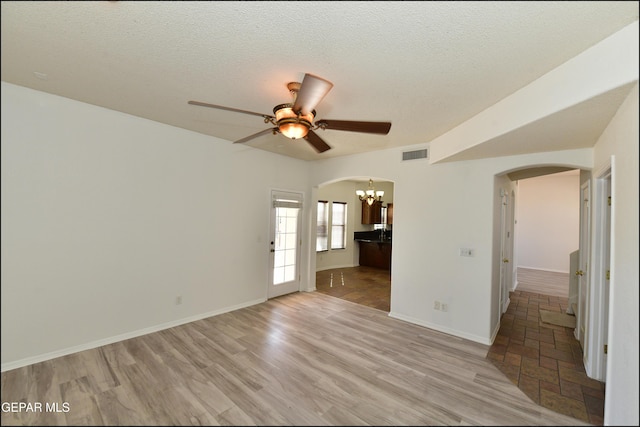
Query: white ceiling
424	66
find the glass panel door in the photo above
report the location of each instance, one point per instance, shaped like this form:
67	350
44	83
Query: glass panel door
285	243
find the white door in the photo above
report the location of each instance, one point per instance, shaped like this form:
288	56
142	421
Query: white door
607	276
285	243
583	268
598	322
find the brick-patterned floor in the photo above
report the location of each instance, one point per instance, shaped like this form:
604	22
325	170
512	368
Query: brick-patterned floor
545	361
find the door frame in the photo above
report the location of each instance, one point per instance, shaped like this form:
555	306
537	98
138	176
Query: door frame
584	266
294	285
506	220
602	256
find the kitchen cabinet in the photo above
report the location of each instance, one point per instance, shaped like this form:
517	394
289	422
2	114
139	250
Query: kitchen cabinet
375	254
371	214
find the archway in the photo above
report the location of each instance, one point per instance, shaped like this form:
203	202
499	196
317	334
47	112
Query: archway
343	270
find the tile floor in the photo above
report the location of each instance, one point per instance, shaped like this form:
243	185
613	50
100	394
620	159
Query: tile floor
363	285
544	361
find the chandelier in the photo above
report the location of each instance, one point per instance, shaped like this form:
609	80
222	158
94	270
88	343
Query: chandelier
370	195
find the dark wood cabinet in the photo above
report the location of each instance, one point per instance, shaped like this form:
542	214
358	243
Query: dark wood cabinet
371	214
375	254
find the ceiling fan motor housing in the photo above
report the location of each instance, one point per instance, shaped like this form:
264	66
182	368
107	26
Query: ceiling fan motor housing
289	122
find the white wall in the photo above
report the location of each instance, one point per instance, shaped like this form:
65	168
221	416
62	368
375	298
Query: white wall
456	209
620	140
548	221
106	218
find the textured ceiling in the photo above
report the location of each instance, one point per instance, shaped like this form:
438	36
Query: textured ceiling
424	66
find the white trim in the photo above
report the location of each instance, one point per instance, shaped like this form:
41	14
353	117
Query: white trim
106	341
297	197
544	269
454	332
595	359
331	267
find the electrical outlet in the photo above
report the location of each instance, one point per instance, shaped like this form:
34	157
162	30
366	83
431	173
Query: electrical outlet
466	252
179	300
436	305
444	307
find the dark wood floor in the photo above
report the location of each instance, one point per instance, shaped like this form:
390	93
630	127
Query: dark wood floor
544	361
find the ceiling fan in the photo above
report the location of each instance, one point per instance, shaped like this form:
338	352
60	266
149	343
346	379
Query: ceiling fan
295	120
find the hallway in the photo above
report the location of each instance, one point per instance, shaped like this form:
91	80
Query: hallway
543	360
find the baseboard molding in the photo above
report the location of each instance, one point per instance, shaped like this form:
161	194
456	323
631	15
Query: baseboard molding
133	334
544	269
439	328
334	267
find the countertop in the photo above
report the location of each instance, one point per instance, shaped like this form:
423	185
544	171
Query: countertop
373	240
373	236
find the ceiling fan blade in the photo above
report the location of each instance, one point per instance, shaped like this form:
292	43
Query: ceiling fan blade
255	135
312	90
317	142
220	107
355	126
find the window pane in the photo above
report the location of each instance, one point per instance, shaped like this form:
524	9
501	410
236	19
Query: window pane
338	225
278	259
322	226
278	275
286	238
289	273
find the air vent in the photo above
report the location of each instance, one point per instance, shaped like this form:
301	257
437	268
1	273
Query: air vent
414	155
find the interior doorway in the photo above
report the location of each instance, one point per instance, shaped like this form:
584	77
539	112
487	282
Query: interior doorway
339	272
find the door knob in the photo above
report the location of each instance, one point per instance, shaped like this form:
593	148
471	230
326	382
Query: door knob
505	260
579	273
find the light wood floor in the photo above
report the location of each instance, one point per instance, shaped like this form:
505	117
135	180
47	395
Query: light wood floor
300	359
543	282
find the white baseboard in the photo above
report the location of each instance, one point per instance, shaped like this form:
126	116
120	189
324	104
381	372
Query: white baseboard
543	269
439	328
99	343
331	267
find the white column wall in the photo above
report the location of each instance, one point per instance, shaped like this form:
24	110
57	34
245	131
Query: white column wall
620	140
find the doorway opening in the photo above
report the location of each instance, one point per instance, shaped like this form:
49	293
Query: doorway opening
360	270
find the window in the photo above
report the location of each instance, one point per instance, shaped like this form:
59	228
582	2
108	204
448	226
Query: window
339	225
323	224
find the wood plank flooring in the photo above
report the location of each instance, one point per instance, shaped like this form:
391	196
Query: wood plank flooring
543	282
300	359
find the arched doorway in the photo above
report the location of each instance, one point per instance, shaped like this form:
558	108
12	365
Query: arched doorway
360	269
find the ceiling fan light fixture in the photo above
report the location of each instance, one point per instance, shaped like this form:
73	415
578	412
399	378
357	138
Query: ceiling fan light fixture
295	120
290	124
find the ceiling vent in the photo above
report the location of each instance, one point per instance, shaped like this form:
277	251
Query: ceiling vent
414	155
